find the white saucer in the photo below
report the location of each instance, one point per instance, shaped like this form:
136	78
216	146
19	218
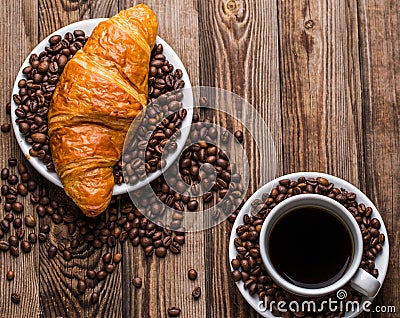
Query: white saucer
381	262
88	26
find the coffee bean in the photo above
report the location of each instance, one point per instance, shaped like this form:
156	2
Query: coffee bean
5	128
137	282
81	286
14	251
12	162
32	238
192	274
51	251
15	298
45	228
26	246
10	275
94	298
13	240
4	173
30	221
101	275
18	207
174	311
196	293
117	258
175	248
375	223
4	245
236	275
238	135
42	237
22	189
90	273
192	205
67	255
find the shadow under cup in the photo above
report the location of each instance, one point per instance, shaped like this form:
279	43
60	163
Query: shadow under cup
311	245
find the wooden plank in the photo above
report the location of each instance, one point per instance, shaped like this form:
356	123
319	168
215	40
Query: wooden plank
321	93
18	35
165	281
239	53
380	75
58	278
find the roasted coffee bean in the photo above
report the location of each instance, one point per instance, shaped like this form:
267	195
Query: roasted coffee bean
236	275
101	275
238	135
5	128
4	174
5	225
17	223
17	207
20	233
81	286
90	273
192	205
10	275
52	251
196	293
4	245
26	246
30	221
14	251
137	282
42	237
15	298
192	274
12	162
32	238
117	258
67	255
161	252
94	298
22	189
174	311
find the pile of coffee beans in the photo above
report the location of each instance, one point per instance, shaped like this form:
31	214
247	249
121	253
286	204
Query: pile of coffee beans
36	91
163	118
249	268
41	77
205	168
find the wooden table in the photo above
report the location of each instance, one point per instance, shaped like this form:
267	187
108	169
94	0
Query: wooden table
325	76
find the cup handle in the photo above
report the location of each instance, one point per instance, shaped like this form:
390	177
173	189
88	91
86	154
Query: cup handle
365	283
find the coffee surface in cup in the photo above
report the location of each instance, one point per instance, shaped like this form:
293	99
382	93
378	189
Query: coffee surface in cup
310	247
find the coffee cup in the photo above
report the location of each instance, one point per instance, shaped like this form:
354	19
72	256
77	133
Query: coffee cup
312	246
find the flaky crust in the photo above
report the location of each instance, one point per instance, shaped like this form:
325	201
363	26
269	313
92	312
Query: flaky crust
101	91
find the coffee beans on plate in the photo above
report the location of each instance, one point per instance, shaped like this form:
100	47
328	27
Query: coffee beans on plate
248	265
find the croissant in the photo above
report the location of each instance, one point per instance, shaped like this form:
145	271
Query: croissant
100	92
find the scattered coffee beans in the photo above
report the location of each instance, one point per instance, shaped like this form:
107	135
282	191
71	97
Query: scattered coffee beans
192	274
10	275
15	298
196	293
174	311
5	128
137	282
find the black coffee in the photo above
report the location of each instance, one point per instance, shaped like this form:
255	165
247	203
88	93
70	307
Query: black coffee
310	247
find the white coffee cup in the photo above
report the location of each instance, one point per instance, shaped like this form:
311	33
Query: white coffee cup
359	279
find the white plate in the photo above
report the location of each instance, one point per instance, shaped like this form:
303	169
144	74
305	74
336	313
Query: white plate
381	261
88	26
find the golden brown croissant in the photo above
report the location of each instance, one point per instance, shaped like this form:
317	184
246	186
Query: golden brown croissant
101	90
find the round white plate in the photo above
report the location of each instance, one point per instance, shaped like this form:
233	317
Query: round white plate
381	261
88	26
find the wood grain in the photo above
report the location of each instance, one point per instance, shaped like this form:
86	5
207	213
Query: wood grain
321	89
239	53
18	35
380	74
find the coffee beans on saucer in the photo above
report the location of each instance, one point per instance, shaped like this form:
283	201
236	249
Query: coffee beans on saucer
248	266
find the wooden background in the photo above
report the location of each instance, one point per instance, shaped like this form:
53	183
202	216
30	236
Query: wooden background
324	74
